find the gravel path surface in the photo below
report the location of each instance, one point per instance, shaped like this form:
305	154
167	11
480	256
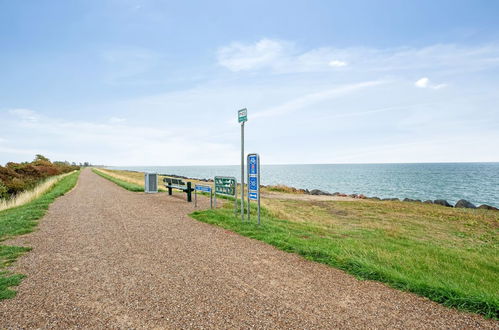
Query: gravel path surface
104	257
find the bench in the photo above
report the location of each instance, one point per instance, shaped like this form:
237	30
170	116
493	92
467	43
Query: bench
172	183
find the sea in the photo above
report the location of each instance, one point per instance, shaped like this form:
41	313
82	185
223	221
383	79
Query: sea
475	182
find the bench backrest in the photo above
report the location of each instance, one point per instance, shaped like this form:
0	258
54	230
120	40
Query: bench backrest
174	182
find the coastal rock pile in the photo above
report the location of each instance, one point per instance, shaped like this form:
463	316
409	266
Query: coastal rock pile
317	192
411	200
463	203
488	207
442	202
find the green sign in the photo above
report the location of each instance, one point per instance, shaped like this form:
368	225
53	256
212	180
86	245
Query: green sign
242	115
225	185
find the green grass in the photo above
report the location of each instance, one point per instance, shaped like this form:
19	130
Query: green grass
450	256
121	183
22	220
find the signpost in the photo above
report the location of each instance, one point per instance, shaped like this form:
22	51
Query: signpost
242	117
226	185
202	188
253	181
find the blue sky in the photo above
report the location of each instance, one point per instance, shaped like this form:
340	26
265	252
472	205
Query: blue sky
135	82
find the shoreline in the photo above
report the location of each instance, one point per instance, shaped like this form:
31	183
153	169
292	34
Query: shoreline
462	203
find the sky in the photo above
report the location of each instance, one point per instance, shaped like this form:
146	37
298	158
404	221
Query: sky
143	82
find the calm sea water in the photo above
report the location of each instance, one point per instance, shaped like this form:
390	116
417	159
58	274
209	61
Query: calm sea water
476	182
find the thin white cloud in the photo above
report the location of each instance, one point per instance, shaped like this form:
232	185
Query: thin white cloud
116	120
337	64
239	57
425	83
110	143
25	114
286	57
422	83
313	98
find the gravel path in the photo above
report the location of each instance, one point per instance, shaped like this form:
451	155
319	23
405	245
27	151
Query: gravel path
104	257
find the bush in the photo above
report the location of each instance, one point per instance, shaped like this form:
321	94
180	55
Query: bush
3	191
17	177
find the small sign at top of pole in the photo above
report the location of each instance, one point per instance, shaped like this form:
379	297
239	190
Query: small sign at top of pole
242	115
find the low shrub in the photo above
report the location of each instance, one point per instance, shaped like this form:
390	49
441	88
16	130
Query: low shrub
18	177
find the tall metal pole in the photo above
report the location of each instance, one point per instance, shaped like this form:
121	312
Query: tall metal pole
242	171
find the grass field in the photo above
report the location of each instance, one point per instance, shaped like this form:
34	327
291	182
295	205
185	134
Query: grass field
21	220
125	182
448	255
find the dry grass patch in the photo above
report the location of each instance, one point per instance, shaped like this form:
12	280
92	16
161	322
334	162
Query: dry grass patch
32	194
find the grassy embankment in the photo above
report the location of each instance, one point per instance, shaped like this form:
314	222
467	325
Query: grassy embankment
448	255
127	182
21	220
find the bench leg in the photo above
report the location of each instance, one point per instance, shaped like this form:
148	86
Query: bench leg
189	192
170	191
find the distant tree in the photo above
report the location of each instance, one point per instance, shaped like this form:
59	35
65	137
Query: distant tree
86	164
42	158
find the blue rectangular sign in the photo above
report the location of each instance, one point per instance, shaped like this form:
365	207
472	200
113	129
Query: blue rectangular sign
203	188
253	195
253	164
253	183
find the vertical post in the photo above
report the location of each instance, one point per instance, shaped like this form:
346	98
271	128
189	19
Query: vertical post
242	171
235	198
211	199
170	190
189	192
195	197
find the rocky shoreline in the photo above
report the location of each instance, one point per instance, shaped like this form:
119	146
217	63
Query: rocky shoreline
462	203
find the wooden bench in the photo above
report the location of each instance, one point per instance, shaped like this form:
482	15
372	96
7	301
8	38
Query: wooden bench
172	183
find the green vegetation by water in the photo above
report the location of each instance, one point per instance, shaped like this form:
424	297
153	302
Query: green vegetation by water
448	255
22	220
127	185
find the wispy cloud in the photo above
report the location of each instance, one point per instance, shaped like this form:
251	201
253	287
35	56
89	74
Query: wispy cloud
337	63
25	114
284	57
313	98
425	83
239	57
109	143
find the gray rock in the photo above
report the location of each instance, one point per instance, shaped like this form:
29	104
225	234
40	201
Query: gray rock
336	193
463	203
411	200
428	202
442	202
390	199
375	198
353	195
488	207
319	192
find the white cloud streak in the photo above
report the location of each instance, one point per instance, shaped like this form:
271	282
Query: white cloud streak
313	98
286	57
425	83
112	143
